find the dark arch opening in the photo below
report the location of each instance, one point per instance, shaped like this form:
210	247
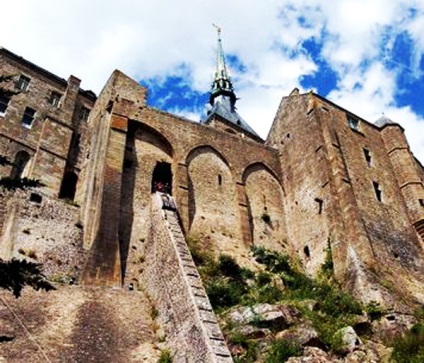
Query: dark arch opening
21	161
69	186
162	178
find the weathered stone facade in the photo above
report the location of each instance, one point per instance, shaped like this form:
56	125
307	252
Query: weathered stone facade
324	181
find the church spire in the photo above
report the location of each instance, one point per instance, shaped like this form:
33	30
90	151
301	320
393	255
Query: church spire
221	85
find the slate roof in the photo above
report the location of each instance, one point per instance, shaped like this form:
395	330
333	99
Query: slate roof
222	107
384	121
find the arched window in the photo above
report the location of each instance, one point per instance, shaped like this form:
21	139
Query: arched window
69	186
162	178
19	165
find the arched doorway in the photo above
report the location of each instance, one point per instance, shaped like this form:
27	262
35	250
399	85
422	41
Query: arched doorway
19	165
162	178
69	186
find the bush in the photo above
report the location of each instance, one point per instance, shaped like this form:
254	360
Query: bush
327	268
410	348
250	348
199	257
274	261
269	294
224	293
229	267
282	350
263	278
165	357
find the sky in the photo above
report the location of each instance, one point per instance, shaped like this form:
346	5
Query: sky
365	55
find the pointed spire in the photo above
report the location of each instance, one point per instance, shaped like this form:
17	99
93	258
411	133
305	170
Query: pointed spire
221	85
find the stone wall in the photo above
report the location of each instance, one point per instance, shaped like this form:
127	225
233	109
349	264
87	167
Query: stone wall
193	333
48	140
331	173
45	231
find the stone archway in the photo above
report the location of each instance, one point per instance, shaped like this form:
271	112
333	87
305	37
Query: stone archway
213	208
20	164
265	203
162	178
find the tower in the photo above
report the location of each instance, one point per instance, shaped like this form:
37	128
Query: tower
222	100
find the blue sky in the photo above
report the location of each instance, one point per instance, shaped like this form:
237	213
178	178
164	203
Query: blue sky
366	55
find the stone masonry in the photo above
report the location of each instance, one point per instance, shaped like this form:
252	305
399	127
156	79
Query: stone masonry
325	181
192	329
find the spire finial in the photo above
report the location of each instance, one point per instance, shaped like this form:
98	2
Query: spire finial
221	85
218	29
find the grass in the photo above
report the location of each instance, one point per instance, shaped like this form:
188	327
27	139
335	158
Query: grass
410	347
165	356
227	285
249	348
154	312
281	350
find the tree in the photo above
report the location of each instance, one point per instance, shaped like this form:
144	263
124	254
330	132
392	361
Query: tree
16	274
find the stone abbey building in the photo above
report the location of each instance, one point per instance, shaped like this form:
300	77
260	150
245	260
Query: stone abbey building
323	180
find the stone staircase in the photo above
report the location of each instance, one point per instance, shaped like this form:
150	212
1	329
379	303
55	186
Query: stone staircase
198	336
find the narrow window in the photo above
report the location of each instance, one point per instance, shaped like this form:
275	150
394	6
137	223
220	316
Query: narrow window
83	114
320	203
421	202
76	141
23	83
54	99
28	117
219	180
4	102
306	251
367	155
69	185
353	123
20	163
377	191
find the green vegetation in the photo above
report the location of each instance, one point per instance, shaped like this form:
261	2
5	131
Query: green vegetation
249	348
154	312
227	285
16	274
165	356
327	269
410	348
282	350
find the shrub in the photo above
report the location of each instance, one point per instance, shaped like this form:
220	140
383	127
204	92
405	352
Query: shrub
154	312
374	311
274	261
229	267
269	294
263	278
327	268
410	348
165	356
225	293
282	350
250	348
200	257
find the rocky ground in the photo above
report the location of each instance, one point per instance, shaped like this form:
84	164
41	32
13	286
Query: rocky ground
77	324
274	332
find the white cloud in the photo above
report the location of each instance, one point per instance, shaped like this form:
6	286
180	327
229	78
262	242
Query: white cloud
148	39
